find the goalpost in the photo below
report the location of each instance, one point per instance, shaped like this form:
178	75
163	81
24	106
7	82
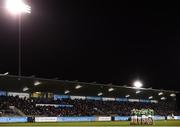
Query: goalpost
142	117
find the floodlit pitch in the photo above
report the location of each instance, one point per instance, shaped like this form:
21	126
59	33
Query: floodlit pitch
83	124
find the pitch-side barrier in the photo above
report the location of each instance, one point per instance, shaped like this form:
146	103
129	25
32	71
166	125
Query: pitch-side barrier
75	119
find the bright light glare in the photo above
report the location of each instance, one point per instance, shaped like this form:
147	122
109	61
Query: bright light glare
111	89
163	98
138	84
78	87
25	89
66	91
4	74
17	7
151	97
172	95
100	94
37	83
127	96
138	92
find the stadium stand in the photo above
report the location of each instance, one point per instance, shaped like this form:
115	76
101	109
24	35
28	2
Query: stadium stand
51	97
68	107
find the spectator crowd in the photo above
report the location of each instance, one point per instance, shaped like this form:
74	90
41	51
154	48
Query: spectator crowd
81	107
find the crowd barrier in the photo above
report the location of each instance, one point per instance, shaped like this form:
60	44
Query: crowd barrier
76	119
121	118
159	117
103	118
13	119
46	119
93	118
175	117
72	119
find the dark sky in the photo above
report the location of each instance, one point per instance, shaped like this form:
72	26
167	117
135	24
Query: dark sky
106	41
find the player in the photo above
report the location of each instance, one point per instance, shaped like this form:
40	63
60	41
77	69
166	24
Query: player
143	114
152	116
139	121
133	116
150	113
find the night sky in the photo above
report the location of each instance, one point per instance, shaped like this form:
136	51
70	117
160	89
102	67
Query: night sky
103	41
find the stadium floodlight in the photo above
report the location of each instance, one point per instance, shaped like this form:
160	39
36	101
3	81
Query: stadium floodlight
78	87
163	98
25	89
37	83
100	94
111	89
127	96
137	84
160	93
138	92
66	91
4	74
17	7
172	95
151	97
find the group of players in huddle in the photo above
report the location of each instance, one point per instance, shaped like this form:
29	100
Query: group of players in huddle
141	117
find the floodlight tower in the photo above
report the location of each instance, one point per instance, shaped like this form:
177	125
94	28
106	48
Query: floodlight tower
17	8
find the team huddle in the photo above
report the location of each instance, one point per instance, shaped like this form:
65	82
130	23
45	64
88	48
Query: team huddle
143	116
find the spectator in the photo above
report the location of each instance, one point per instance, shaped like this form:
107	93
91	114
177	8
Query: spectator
82	107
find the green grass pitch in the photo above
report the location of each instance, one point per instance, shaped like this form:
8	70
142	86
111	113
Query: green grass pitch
117	123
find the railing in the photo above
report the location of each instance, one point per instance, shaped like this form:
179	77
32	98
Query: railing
17	111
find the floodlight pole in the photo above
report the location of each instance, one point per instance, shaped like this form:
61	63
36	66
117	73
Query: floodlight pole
18	7
19	48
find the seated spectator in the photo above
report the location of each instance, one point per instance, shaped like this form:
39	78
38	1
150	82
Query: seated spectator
81	107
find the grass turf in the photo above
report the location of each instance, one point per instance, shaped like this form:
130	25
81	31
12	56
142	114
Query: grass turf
115	123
